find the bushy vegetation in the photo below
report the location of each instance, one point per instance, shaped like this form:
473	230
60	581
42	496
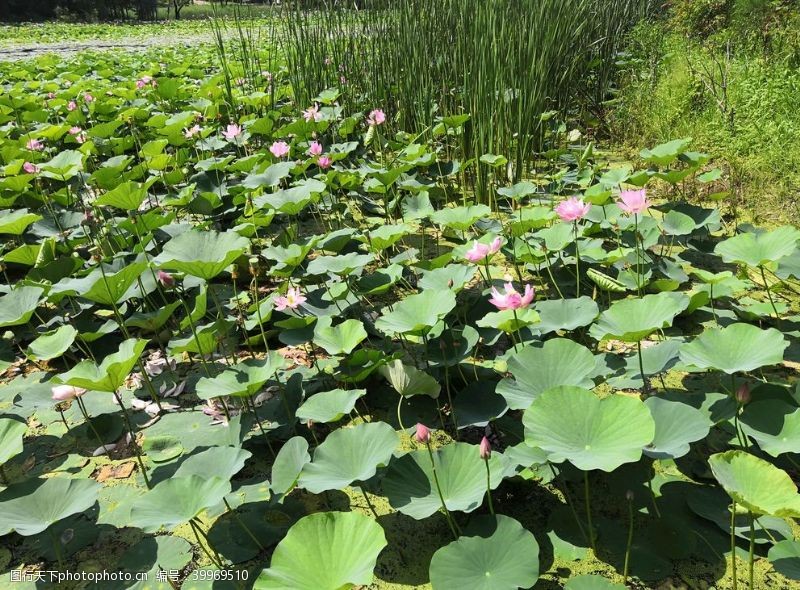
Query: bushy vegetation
726	74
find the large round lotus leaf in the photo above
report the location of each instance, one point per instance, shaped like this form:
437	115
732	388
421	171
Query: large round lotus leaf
565	314
109	288
223	462
461	218
202	254
735	348
329	406
12	431
52	344
128	195
110	375
417	314
533	370
243	379
31	507
785	558
162	448
325	551
342	264
573	424
591	582
349	455
15	221
176	501
154	554
409	381
288	464
677	425
17	306
410	486
506	557
631	320
774	425
755	484
440	278
759	249
339	339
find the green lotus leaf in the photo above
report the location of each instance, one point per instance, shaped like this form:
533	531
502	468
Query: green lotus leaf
509	320
12	431
666	153
518	191
292	201
18	305
325	551
632	320
417	314
109	288
677	425
409	482
339	339
409	381
755	484
202	254
505	558
128	196
735	348
176	501
773	424
533	370
162	448
52	344
759	249
152	555
110	374
341	264
289	462
329	406
785	558
461	218
63	166
678	224
243	379
440	278
222	461
29	508
591	582
565	314
15	221
386	236
152	321
349	455
573	424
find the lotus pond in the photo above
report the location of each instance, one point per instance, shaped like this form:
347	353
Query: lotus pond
254	343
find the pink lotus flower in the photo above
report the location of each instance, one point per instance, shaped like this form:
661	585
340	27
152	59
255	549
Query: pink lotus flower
743	394
572	209
312	114
633	202
30	168
485	449
75	130
72	105
279	149
51	95
88	97
166	279
292	299
315	148
324	162
81	137
144	81
376	117
481	251
191	132
511	299
232	131
422	435
63	393
34	145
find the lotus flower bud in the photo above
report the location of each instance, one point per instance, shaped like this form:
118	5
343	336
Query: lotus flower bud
423	435
743	394
62	393
166	279
629	496
234	271
485	449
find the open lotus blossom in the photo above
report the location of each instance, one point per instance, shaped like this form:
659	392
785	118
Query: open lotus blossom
480	251
232	131
88	97
191	131
633	202
63	393
279	149
72	105
144	81
376	117
485	449
511	299
312	113
51	95
30	168
75	130
423	434
315	148
572	209
292	299
324	162
165	278
35	145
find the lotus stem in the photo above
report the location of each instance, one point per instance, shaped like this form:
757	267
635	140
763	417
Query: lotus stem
733	545
638	258
207	550
516	325
441	496
752	548
588	511
369	503
91	425
577	261
399	418
629	497
450	398
489	487
653	498
243	525
56	547
133	440
645	388
769	294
